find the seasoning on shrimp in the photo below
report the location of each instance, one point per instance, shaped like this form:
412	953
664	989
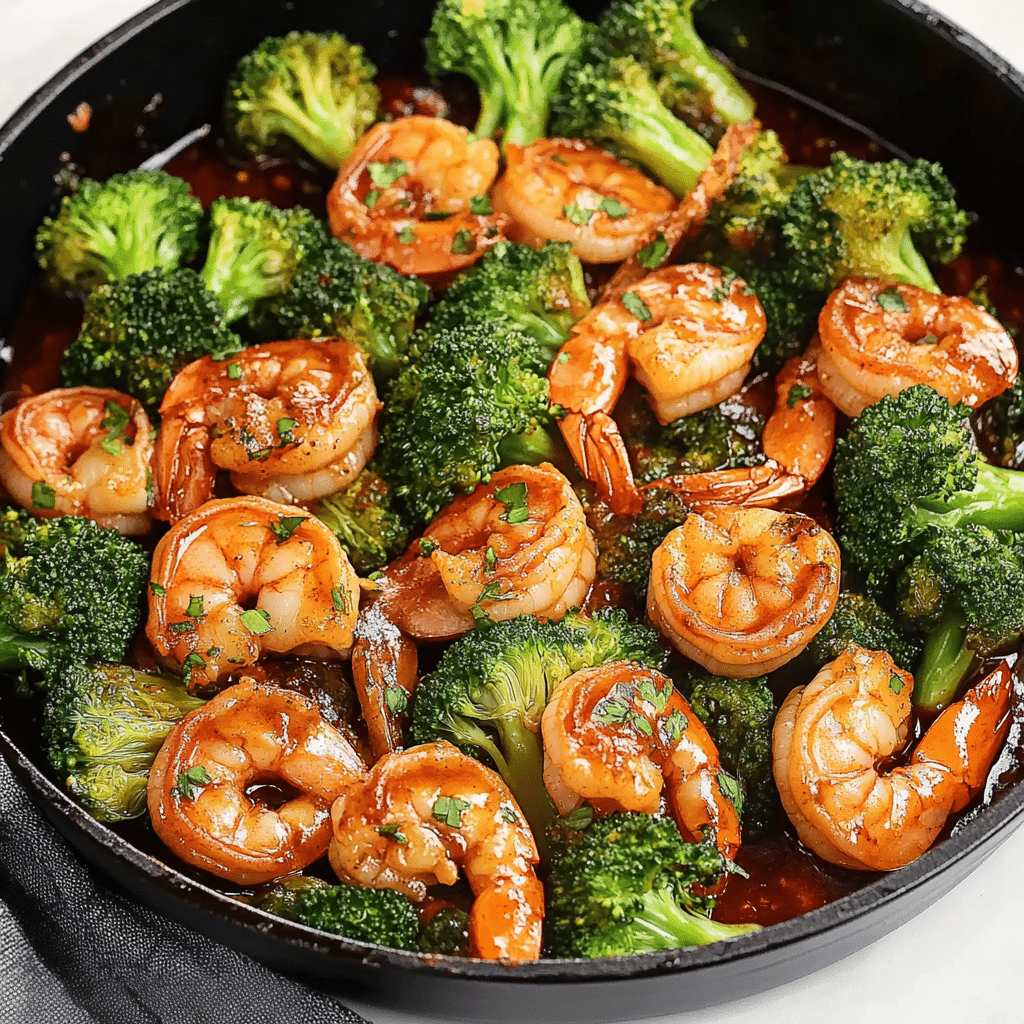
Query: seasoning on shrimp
242	577
833	736
81	451
688	332
251	734
413	194
619	736
880	338
573	191
290	420
421	815
741	590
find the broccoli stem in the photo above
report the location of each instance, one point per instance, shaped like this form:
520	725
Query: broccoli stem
997	501
523	770
917	271
675	154
945	662
665	925
531	448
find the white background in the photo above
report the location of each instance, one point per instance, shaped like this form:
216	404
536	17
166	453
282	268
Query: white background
959	962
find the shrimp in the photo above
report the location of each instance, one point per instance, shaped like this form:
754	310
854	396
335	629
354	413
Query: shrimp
743	590
871	349
618	734
832	746
201	799
409	193
421	814
573	191
688	333
79	452
519	545
243	576
290	420
797	441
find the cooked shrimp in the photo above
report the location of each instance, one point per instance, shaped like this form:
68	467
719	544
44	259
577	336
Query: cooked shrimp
290	420
797	441
384	662
245	576
916	337
618	735
422	814
519	545
573	191
743	590
79	452
833	743
687	332
201	799
407	196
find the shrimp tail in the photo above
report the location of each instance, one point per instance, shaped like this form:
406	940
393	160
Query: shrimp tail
760	485
599	451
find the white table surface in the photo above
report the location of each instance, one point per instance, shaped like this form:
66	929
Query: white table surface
959	962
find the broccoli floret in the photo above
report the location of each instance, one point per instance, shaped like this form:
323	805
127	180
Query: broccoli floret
1000	426
128	224
490	687
447	932
138	332
103	726
862	219
613	102
381	916
625	546
256	250
338	294
693	82
966	590
859	619
451	411
69	590
908	465
632	885
541	291
279	898
514	50
739	714
314	89
791	311
363	518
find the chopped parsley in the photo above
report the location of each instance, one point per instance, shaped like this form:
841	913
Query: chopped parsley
285	527
407	235
614	208
396	699
195	607
515	498
192	779
256	620
448	809
654	253
392	831
577	214
481	206
463	243
383	175
892	302
43	495
636	306
797	393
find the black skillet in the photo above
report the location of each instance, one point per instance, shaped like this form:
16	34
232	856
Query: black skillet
894	67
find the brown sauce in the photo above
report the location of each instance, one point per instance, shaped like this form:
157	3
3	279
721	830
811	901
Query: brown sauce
783	879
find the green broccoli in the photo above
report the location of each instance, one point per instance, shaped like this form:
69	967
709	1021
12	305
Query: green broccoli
128	224
966	591
630	884
908	465
490	687
380	916
338	294
541	291
140	331
447	933
859	619
311	89
453	409
103	725
514	50
613	102
693	82
256	250
363	518
791	311
999	424
69	590
861	219
739	714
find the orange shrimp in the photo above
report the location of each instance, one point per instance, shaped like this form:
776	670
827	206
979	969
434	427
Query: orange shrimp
406	196
833	737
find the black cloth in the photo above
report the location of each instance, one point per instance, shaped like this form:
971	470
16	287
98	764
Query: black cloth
73	950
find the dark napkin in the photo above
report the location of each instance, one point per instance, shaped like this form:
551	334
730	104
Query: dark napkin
73	950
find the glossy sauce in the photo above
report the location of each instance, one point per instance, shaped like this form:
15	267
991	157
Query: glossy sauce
784	880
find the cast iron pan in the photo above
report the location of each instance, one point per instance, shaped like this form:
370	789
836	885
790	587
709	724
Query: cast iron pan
913	80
